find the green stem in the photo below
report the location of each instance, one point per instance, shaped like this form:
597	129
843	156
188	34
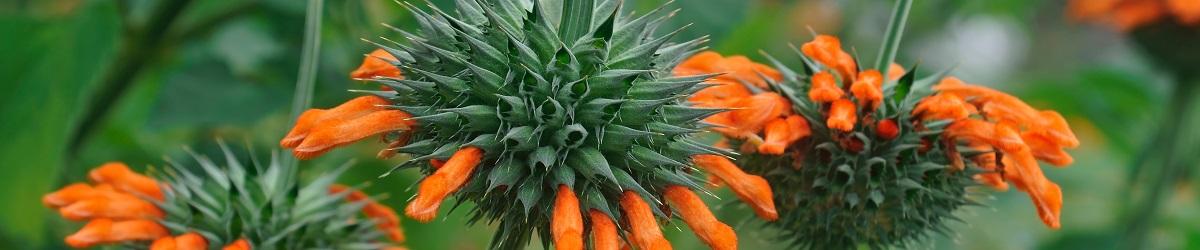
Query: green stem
135	51
1179	112
891	42
302	97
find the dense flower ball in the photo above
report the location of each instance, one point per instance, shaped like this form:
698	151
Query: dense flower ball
553	128
231	206
855	158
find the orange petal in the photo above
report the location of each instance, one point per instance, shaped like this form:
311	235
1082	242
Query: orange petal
643	228
695	213
1055	128
332	135
69	194
317	118
895	71
95	232
1186	11
376	64
164	243
604	231
566	225
827	50
887	129
443	182
1089	9
701	63
751	189
135	230
386	219
842	116
867	89
777	135
119	176
1046	150
754	112
993	180
824	88
1132	14
127	207
240	244
944	106
190	241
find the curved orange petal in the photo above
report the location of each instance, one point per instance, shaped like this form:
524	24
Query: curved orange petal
566	224
776	137
754	112
604	231
324	138
1186	11
317	118
119	176
695	213
827	50
190	241
69	194
895	71
701	63
240	244
135	230
445	181
376	64
867	89
164	243
842	116
386	219
1128	15
824	88
1046	150
109	207
95	232
751	189
942	107
643	228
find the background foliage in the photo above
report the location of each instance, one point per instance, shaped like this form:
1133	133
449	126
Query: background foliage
227	69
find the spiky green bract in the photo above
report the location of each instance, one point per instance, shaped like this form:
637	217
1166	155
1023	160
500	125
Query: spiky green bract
890	193
262	203
583	97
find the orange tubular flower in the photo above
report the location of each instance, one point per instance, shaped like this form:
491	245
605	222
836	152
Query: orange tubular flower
604	231
751	189
644	231
188	241
113	205
241	244
751	114
103	231
868	89
842	116
827	50
567	224
824	88
713	233
447	180
1127	15
944	106
378	63
388	221
119	176
783	132
318	131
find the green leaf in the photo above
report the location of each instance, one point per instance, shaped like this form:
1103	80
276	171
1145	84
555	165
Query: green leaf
576	19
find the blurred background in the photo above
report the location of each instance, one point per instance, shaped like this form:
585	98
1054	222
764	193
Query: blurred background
90	81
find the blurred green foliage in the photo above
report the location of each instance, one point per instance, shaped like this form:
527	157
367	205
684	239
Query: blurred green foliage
226	69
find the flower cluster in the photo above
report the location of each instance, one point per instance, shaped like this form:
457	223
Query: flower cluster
857	158
1130	14
224	207
549	128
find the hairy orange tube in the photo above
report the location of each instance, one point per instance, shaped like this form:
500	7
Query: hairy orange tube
751	189
445	181
695	213
566	223
644	231
604	231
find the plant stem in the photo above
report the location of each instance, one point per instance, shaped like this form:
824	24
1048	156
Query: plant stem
1178	113
137	48
891	42
302	97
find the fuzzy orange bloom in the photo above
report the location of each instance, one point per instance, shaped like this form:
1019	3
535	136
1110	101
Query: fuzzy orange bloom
604	231
102	231
376	64
783	132
188	241
750	114
827	50
887	129
842	116
1020	164
240	244
112	205
122	178
944	106
735	68
566	224
1127	15
318	131
751	189
643	228
868	89
387	220
712	232
1002	107
445	181
824	88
